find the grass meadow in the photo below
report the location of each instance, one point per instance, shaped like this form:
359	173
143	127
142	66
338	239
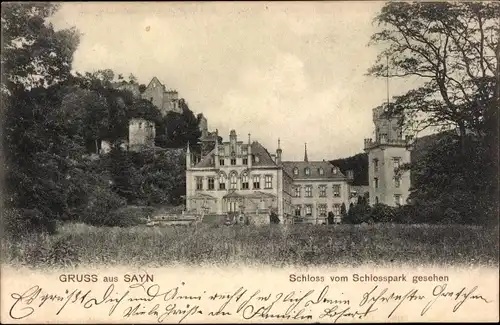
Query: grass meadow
276	245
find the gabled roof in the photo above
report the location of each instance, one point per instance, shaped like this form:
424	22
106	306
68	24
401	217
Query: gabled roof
264	158
260	195
314	168
202	196
158	81
154	79
233	194
207	161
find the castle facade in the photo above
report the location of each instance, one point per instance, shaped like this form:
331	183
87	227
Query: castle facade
244	181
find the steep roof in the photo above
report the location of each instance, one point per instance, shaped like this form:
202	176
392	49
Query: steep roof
264	158
158	81
314	168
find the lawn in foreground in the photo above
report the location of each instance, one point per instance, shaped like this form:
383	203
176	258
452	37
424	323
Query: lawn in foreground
277	245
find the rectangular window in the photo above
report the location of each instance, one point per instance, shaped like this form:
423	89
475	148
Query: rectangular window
297	211
222	182
336	209
256	182
309	191
375	165
233	181
245	161
336	190
297	191
322	191
397	182
308	210
269	181
244	182
233	161
199	183
397	162
322	210
375	180
397	199
221	162
211	183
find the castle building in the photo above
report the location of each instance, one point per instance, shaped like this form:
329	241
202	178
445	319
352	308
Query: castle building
142	133
244	181
165	100
386	153
318	187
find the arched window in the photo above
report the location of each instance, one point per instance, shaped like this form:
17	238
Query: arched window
295	171
307	171
321	171
233	179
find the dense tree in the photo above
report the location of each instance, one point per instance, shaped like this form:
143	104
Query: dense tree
465	187
451	48
41	147
179	129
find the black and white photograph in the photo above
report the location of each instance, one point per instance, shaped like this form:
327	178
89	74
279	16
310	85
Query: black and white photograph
318	141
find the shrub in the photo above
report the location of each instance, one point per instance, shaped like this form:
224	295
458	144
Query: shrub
63	252
358	213
99	210
383	213
19	222
274	219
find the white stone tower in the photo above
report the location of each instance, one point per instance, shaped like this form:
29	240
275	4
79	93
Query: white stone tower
141	133
386	153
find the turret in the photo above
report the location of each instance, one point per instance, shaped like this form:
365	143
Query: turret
188	157
216	154
249	152
278	153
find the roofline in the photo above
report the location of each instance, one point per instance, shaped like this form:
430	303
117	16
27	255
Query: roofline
320	179
154	79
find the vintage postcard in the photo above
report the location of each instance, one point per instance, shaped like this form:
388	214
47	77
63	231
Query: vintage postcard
249	162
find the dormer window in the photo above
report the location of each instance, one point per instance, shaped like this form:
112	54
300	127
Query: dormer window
321	171
307	171
334	171
295	171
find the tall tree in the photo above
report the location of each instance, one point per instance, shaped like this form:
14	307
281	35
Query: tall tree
452	47
40	145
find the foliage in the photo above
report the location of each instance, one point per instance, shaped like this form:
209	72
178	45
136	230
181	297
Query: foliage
281	246
273	218
358	164
382	213
177	130
450	47
33	54
451	186
358	213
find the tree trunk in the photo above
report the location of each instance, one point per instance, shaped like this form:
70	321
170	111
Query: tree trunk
462	135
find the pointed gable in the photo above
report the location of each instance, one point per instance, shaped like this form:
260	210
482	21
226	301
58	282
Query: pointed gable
154	81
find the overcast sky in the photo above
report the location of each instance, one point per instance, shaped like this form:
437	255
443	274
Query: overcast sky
294	71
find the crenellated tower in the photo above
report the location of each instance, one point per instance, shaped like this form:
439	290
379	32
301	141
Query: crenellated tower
388	183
